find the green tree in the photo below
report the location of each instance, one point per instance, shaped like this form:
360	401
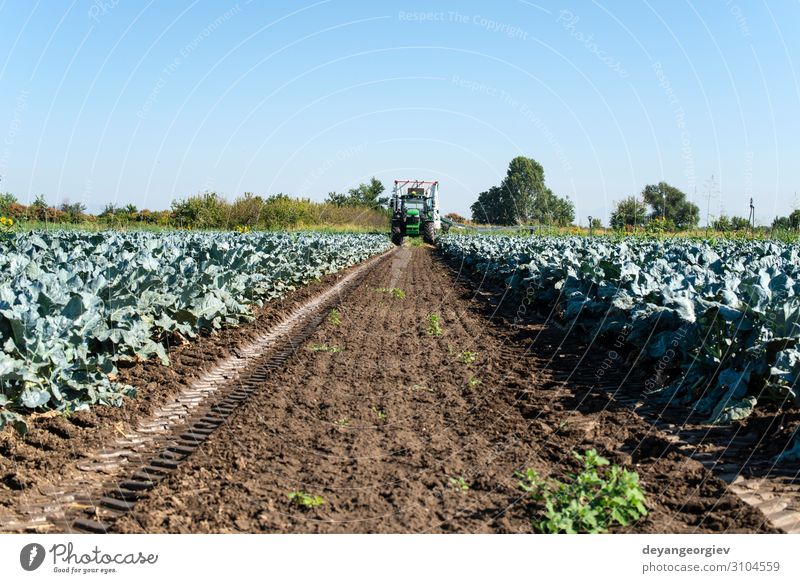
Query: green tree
739	223
790	223
480	208
368	195
722	224
522	197
781	224
337	198
794	219
670	203
629	212
526	192
563	211
108	211
73	211
493	207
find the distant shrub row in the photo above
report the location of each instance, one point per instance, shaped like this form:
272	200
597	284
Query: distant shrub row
207	211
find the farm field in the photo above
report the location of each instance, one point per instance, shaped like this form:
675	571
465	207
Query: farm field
409	404
351	268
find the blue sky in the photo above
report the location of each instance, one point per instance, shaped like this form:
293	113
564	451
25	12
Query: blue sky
142	102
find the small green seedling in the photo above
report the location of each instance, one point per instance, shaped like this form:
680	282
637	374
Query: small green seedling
459	483
434	325
323	348
473	382
467	357
305	500
343	422
379	413
334	317
590	502
67	411
395	292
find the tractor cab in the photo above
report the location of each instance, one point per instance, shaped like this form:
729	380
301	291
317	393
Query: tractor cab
415	206
413	209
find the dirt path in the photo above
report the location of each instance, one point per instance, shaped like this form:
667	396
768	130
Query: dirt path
376	416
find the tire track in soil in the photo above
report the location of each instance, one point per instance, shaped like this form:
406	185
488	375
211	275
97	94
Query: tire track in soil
314	426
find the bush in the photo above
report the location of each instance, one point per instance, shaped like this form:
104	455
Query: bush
6	201
281	211
593	500
73	212
209	211
16	211
659	225
245	210
202	211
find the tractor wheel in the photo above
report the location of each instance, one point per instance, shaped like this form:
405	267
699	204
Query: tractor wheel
397	238
428	233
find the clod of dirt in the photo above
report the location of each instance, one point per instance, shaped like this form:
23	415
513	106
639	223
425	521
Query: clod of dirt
17	481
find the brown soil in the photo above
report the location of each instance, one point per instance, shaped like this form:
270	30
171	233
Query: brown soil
380	426
38	461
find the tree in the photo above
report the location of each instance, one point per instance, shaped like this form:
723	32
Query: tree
790	223
794	219
739	223
479	209
493	207
522	197
629	212
525	191
563	210
365	194
781	224
670	203
722	224
368	195
73	212
337	198
109	210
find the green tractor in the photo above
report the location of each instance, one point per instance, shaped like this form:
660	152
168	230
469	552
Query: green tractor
415	210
